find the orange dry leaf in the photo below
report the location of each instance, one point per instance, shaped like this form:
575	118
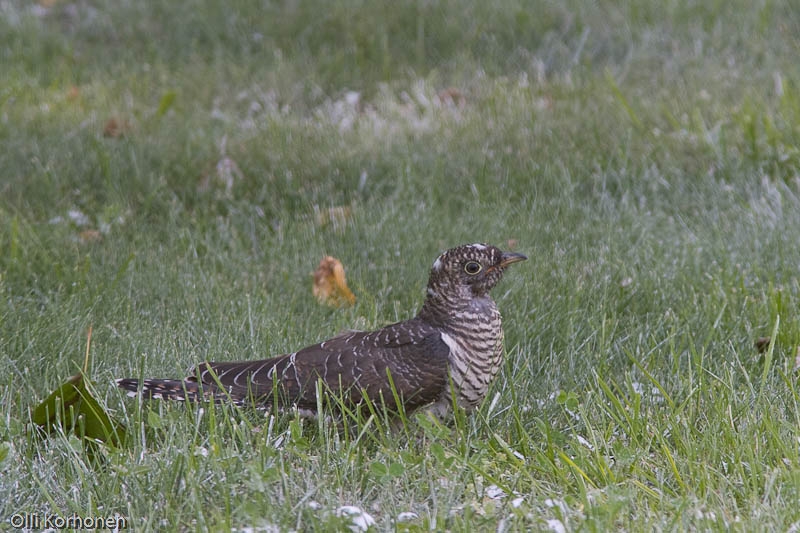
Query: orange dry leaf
452	97
90	235
330	285
116	128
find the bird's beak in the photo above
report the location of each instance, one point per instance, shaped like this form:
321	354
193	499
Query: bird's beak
510	257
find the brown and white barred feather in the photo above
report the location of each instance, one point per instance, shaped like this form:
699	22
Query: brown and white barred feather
408	358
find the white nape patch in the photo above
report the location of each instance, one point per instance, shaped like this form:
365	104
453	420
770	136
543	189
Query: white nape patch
556	525
478	246
450	342
359	519
437	265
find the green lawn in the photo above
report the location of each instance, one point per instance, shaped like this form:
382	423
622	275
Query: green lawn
172	172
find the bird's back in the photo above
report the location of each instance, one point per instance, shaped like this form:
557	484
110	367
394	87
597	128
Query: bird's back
408	359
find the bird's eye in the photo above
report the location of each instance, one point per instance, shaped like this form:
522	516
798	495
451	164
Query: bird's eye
472	268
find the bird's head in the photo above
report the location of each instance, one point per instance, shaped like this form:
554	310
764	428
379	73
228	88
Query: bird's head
469	271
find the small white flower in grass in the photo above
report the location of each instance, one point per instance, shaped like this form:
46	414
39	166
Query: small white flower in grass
560	504
201	451
217	114
314	505
556	525
445	482
359	519
494	492
502	525
705	515
517	502
455	510
77	217
655	394
353	98
407	516
585	442
268	528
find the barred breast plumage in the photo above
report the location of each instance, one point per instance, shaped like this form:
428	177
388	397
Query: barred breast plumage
456	337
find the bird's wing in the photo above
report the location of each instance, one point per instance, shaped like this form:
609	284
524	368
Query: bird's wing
410	355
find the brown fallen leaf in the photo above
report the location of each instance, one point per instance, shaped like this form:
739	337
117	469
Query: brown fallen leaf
337	215
762	343
116	127
73	93
90	235
452	97
330	286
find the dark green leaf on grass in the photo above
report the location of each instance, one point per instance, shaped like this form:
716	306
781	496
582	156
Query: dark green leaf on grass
46	414
154	420
72	406
568	400
396	469
378	469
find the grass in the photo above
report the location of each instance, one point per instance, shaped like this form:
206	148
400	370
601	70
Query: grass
644	155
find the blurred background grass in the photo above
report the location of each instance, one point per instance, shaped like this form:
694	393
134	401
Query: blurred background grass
173	171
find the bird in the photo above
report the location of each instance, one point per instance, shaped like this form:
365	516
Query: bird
447	354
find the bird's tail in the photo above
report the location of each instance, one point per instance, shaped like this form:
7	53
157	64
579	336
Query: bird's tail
183	390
